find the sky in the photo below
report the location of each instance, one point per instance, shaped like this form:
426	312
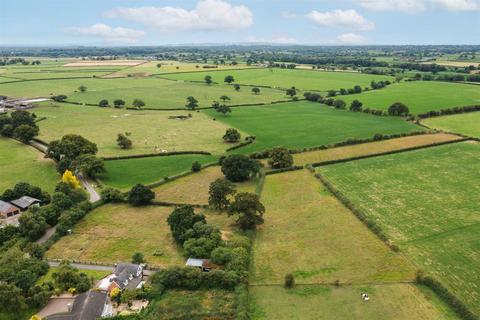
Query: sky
312	22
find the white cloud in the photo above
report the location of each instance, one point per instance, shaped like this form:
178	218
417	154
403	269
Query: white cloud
351	38
349	19
107	33
208	15
283	39
416	6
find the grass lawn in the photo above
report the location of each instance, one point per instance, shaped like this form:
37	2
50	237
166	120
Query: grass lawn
427	202
392	301
282	78
309	233
466	123
306	124
150	131
193	189
123	174
192	305
95	274
371	148
112	233
155	92
21	163
419	96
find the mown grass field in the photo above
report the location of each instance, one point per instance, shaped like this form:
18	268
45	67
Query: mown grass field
306	124
106	235
193	189
466	123
309	233
419	96
93	274
392	301
21	163
371	148
123	174
156	93
427	202
193	305
283	78
150	131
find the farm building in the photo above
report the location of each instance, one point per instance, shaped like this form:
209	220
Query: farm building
204	264
90	305
8	210
126	275
26	202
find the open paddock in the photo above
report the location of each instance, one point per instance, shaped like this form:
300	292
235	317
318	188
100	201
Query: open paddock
466	123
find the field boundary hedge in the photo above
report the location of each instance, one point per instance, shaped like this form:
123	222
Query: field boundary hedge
178	176
174	204
151	155
379	154
444	294
282	170
238	146
449	111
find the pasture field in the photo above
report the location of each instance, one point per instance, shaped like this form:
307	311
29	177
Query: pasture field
193	305
105	235
21	163
371	148
156	93
309	233
419	96
465	123
193	189
150	131
283	78
427	202
306	124
123	174
392	301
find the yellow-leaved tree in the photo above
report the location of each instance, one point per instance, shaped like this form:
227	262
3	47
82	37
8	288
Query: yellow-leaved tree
70	179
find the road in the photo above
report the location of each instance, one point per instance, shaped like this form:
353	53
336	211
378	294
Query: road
95	267
94	196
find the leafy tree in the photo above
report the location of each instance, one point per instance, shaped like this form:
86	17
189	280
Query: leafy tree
289	281
238	168
192	103
196	166
236	87
7	130
70	179
280	158
11	299
21	117
140	195
111	195
398	109
103	103
82	88
181	220
291	92
231	135
208	79
67	277
225	98
357	89
24	280
256	90
249	209
331	93
215	105
138	103
356	106
59	98
123	141
229	79
32	225
339	104
138	258
118	103
25	132
223	109
89	165
70	147
219	192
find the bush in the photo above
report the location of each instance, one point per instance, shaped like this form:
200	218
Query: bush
289	281
196	166
231	135
112	195
398	109
238	168
140	195
280	158
138	258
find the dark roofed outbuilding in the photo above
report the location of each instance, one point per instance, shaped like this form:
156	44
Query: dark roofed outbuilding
87	306
8	210
25	202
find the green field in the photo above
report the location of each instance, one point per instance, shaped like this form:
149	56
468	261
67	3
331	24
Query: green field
150	131
419	96
282	78
156	93
427	203
466	123
21	163
123	174
309	233
393	301
307	124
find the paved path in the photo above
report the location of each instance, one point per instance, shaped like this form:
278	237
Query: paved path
39	146
94	196
50	232
95	267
